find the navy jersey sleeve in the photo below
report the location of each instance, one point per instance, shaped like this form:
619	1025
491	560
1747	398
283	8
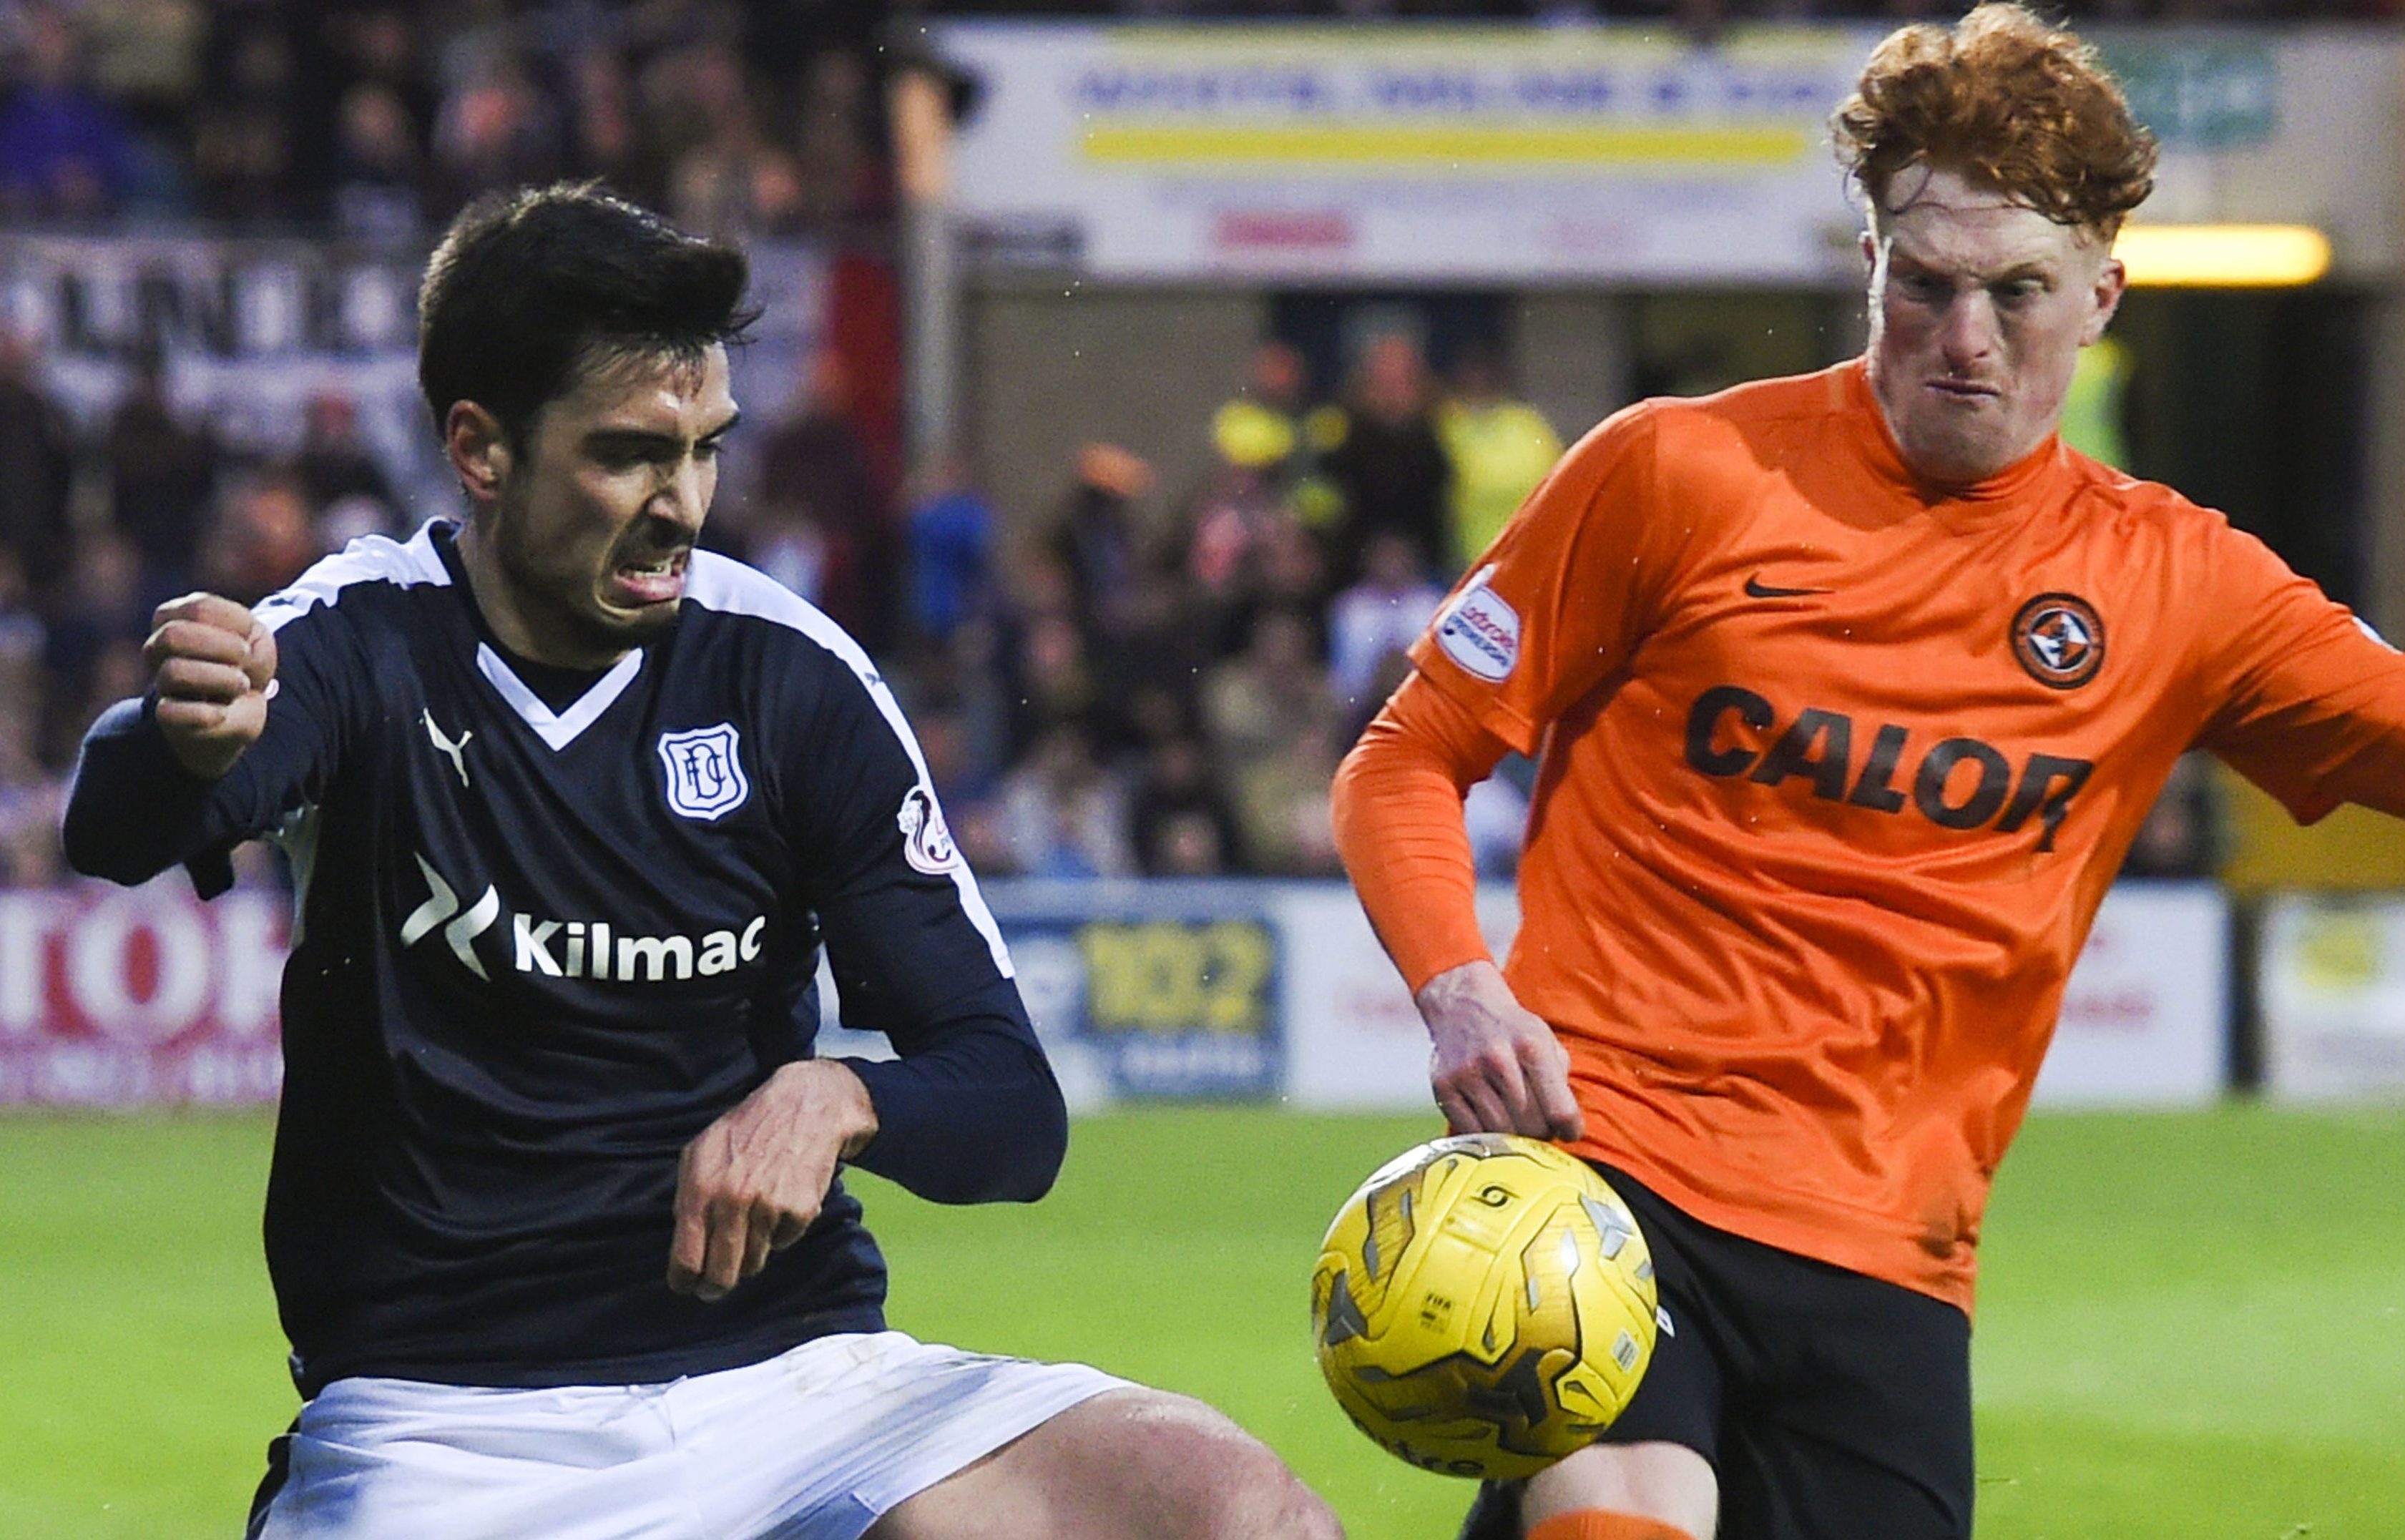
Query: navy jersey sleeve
970	1111
135	810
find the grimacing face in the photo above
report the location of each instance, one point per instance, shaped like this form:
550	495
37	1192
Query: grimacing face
581	530
1978	308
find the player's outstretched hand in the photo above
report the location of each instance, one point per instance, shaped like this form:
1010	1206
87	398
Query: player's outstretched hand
212	663
1498	1068
752	1182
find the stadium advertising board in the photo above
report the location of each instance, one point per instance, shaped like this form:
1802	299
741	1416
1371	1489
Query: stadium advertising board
1224	991
2144	1023
1404	151
2333	993
127	997
1140	990
1610	153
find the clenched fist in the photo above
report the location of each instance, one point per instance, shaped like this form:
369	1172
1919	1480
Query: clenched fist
213	664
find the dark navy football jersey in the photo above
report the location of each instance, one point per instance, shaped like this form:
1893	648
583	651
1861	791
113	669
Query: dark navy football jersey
536	951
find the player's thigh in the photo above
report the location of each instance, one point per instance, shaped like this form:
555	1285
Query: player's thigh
1124	1464
1870	1434
1656	1458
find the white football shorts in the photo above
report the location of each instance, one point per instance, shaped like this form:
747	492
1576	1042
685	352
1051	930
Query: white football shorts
814	1444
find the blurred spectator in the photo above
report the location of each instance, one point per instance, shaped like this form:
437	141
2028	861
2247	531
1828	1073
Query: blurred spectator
2096	411
32	802
1377	620
837	165
603	141
1499	449
338	469
66	152
1181	820
951	538
106	615
37	466
379	172
1389	465
263	537
1270	430
820	517
2182	834
250	124
1053	681
495	129
145	60
163	476
1271	718
1064	814
1098	540
731	182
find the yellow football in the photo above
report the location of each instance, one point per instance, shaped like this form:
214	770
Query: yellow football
1484	1304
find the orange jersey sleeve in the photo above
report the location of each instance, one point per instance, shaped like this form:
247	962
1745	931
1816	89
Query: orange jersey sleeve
2312	703
1563	596
1399	827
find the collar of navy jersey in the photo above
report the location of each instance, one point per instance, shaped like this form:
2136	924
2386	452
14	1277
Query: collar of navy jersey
557	726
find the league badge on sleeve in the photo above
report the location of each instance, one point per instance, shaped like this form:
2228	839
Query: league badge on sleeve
1479	631
926	844
704	775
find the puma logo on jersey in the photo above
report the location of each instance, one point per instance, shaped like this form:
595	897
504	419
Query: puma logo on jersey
456	747
576	948
1818	747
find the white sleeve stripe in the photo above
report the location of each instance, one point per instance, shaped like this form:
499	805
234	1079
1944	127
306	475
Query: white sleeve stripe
716	582
370	558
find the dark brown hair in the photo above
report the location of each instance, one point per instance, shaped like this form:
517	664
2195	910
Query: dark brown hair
528	288
2006	100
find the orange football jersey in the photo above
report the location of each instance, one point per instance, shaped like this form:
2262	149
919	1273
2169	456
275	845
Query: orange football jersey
1835	769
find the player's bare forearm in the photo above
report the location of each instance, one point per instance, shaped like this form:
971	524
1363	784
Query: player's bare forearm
1496	1066
211	664
752	1181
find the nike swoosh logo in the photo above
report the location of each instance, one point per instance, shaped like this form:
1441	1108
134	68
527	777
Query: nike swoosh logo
1756	589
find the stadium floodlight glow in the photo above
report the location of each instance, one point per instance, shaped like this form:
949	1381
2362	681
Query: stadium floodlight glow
2223	256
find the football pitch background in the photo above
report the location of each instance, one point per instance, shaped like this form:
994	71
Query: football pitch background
2193	1326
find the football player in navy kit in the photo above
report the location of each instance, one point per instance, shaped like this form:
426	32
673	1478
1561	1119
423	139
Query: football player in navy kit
555	1219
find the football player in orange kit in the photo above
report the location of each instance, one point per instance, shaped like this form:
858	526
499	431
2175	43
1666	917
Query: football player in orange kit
1850	691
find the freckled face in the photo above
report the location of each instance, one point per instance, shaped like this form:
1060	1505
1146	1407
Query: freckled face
1978	308
591	526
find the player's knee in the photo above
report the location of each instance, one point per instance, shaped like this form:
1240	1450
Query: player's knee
1269	1503
1235	1488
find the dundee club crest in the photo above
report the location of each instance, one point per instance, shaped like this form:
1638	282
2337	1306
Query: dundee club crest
2060	639
704	775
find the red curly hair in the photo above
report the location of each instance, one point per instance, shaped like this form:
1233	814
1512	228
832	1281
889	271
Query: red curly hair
2006	100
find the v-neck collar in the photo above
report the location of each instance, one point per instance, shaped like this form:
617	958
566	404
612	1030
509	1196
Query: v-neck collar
556	729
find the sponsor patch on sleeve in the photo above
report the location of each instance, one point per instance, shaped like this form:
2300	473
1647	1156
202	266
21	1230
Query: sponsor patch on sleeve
1479	631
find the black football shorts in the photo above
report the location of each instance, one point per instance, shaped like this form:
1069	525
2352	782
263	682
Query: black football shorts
1833	1405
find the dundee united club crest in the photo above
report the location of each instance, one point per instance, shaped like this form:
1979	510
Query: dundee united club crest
2060	639
705	774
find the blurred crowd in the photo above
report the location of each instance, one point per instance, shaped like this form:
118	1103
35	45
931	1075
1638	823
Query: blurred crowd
1160	680
1143	678
378	119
